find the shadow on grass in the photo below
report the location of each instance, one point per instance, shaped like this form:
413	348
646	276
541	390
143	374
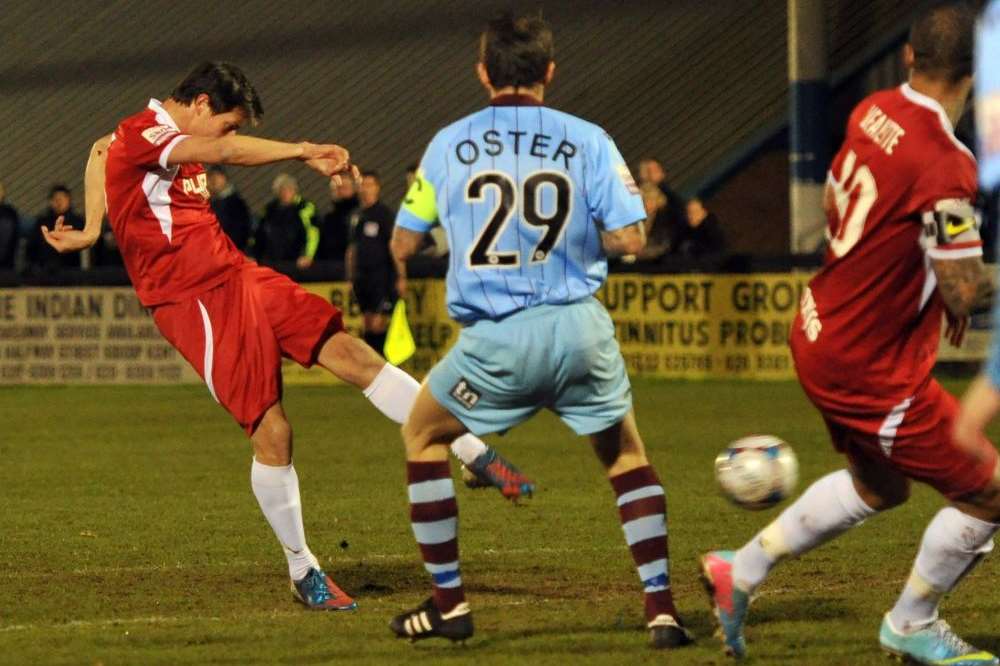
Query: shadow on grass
380	578
990	643
799	609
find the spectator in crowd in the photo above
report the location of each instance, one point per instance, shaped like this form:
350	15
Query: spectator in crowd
652	172
335	227
230	208
378	280
10	231
42	258
658	225
702	234
105	251
287	231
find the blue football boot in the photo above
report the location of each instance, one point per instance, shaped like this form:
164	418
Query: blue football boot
491	470
729	602
317	591
935	645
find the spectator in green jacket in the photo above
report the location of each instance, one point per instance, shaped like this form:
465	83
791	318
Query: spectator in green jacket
287	231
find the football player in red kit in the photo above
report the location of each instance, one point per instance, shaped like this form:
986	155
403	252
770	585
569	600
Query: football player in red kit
230	318
904	248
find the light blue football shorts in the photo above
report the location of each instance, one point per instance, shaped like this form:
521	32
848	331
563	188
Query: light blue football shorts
560	357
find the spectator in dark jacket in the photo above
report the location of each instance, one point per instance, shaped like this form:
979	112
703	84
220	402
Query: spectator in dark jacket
336	226
10	231
659	232
652	172
106	252
287	231
702	236
42	258
230	208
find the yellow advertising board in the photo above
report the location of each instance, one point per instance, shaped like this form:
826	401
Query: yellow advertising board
83	336
701	326
672	326
676	326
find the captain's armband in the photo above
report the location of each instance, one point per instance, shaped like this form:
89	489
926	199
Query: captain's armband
951	230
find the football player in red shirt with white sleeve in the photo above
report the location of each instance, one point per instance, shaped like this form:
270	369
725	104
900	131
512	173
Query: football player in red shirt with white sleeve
904	249
230	318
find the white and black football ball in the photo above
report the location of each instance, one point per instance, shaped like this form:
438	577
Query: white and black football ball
757	472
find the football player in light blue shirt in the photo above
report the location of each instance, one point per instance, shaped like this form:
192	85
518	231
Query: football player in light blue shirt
982	401
533	200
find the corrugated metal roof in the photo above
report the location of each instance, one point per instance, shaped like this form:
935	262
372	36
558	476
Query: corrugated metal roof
682	80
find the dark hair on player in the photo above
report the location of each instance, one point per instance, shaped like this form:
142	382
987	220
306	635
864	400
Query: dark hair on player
57	188
516	51
412	167
372	174
227	88
942	40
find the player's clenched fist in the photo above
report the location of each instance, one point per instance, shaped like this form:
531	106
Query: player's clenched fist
327	159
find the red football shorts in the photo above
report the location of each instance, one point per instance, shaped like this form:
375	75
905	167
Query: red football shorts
910	433
236	334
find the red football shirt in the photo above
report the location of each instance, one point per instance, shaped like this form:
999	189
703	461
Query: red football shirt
170	240
871	318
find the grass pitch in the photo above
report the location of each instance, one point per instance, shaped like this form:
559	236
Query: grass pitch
129	535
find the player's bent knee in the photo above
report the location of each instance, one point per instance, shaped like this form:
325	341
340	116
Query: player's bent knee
272	441
885	497
417	436
985	504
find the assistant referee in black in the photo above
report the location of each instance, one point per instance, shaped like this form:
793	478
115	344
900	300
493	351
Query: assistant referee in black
377	279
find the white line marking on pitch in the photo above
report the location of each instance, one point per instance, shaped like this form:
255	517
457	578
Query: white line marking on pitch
97	624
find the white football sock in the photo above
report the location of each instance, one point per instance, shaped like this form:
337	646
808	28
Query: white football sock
393	393
952	545
468	447
828	508
277	492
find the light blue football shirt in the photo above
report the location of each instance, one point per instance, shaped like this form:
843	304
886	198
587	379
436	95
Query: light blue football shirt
987	77
523	192
987	63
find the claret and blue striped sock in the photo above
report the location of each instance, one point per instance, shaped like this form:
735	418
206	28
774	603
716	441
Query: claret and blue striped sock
434	517
643	510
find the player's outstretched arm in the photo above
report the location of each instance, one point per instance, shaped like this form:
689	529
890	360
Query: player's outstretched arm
965	284
66	239
327	159
627	240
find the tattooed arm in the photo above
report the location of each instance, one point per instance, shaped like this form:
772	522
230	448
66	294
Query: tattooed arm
965	285
626	240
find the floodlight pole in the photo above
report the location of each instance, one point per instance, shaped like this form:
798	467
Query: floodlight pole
808	126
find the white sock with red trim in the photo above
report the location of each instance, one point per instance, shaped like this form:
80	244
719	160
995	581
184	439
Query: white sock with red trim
277	492
393	393
953	544
828	508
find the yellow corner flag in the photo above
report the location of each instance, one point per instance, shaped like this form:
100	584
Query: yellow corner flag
399	344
